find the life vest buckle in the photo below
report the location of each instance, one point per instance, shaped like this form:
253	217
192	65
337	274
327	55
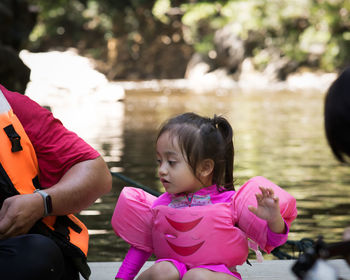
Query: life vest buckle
14	138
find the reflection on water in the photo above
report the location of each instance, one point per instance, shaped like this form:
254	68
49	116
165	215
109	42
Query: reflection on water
278	135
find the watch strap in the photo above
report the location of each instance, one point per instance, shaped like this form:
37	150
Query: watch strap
47	202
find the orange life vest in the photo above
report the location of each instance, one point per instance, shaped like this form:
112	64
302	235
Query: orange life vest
19	173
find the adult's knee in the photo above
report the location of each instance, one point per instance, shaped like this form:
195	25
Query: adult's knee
31	256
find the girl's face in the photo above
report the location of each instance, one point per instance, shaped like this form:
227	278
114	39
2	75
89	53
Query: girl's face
174	172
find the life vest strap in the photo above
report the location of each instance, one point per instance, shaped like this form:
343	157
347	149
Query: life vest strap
73	225
6	187
36	182
63	222
14	138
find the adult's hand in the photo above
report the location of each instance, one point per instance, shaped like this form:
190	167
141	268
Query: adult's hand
19	213
83	183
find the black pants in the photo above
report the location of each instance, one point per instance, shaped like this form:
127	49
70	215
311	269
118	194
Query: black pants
34	256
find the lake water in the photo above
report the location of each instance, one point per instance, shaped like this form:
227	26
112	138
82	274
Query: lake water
277	134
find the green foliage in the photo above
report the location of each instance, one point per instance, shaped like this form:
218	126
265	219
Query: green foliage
160	9
309	32
64	19
73	18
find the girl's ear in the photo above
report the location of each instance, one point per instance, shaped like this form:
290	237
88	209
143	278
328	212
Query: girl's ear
206	167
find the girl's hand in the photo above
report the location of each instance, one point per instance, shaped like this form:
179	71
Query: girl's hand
268	209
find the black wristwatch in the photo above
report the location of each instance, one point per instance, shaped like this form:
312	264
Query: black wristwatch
47	201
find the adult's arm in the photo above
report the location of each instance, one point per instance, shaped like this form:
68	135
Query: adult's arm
79	187
71	171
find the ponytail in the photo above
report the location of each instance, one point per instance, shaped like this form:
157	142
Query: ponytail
226	131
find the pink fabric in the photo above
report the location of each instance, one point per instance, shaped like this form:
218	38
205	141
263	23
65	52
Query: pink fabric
277	239
199	235
132	218
186	234
57	148
215	196
132	263
254	227
182	269
221	268
273	239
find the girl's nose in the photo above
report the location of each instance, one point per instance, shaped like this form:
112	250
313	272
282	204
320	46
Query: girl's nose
162	170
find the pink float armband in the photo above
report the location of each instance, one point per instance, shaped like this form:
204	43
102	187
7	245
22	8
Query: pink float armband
277	239
132	218
133	262
256	228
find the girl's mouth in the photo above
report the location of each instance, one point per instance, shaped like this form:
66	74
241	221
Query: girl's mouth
164	181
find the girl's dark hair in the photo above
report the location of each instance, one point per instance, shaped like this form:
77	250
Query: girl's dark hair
337	116
201	138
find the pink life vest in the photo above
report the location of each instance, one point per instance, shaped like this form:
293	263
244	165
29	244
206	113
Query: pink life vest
199	235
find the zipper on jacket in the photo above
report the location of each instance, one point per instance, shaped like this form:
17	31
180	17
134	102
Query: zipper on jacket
189	199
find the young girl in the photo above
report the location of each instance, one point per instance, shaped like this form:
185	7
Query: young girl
199	228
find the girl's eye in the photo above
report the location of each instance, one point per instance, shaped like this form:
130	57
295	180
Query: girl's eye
171	162
159	161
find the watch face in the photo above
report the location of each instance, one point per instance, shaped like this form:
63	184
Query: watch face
47	201
48	204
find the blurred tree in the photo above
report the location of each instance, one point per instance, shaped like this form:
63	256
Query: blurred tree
313	33
124	35
17	20
156	39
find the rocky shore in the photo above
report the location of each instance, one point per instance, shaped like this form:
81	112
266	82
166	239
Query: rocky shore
67	72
